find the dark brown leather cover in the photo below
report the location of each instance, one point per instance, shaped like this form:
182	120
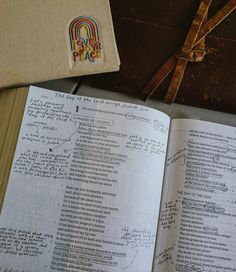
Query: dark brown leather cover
149	32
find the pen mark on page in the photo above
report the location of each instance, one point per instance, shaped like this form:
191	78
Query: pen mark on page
131	116
165	259
178	155
11	269
64	140
131	262
91	120
169	214
21	242
210	230
225	147
144	144
190	268
165	256
93	126
40	125
157	124
83	119
160	126
47	110
137	238
202	206
42	164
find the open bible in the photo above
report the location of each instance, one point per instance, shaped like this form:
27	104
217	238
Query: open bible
104	186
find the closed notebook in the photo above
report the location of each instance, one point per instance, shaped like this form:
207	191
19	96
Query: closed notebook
49	39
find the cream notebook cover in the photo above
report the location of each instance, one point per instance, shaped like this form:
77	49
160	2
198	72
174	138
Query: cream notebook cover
49	39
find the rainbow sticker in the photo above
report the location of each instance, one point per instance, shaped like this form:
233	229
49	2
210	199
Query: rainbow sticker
84	39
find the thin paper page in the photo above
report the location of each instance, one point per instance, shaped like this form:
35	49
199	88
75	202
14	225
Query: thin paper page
85	186
197	229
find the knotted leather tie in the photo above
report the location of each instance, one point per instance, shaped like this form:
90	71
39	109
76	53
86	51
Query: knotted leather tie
178	61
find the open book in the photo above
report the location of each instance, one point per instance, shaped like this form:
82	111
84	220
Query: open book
103	186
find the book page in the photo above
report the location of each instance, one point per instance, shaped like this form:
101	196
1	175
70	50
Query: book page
197	225
85	186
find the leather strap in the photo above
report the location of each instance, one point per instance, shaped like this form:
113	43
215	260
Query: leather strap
187	48
169	65
197	54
